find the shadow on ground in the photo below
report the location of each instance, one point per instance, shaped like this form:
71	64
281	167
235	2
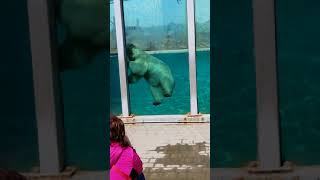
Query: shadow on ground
181	162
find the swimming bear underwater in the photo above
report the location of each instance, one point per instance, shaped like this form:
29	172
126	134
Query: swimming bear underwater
153	70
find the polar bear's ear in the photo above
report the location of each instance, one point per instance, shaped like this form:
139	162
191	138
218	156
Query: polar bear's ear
130	58
130	46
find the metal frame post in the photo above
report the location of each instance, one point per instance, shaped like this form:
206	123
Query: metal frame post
266	84
121	44
46	86
192	57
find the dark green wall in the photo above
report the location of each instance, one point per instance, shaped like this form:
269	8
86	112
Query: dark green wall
18	134
86	109
233	133
298	37
233	105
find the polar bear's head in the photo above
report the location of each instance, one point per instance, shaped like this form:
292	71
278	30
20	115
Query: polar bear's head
133	52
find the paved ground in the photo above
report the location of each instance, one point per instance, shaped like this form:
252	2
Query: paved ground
168	151
172	151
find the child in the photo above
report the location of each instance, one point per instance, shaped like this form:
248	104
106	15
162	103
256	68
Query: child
125	163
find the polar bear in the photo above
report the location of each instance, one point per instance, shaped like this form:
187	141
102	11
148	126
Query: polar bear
153	70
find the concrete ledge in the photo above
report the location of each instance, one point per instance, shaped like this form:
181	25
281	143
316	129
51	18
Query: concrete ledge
204	118
78	175
194	118
299	173
254	167
65	174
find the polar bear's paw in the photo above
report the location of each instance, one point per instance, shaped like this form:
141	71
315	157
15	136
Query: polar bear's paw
156	103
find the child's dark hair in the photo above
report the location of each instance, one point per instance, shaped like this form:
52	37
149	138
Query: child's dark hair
117	132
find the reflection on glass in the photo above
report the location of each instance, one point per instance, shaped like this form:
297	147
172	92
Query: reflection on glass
82	31
158	81
156	24
113	39
202	16
233	78
115	95
299	89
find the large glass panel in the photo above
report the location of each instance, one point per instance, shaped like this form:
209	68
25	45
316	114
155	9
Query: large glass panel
202	9
84	72
157	26
298	37
115	95
233	110
18	131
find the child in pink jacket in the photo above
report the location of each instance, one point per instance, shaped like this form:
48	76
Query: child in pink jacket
125	164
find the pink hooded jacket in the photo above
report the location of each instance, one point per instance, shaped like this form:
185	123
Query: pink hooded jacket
124	159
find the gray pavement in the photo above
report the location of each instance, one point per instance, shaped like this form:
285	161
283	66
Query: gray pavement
172	151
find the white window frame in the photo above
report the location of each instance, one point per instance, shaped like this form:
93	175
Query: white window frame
120	34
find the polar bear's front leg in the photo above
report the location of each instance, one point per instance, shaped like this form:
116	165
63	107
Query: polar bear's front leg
133	78
157	95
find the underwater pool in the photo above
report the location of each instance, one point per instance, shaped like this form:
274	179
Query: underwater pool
140	94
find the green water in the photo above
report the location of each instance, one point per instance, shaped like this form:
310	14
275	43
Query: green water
233	102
